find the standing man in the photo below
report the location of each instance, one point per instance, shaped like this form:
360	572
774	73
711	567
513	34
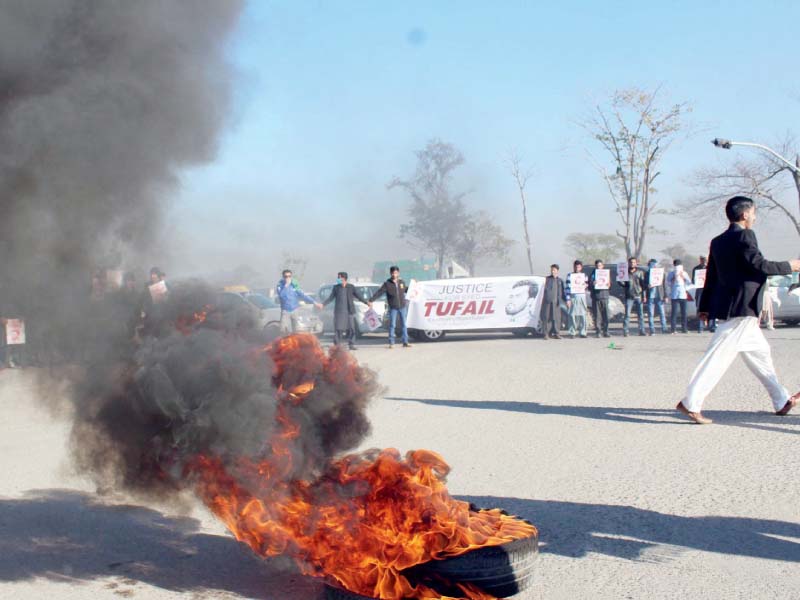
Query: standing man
289	294
677	280
599	303
576	301
554	295
395	290
634	295
698	293
344	295
655	298
737	273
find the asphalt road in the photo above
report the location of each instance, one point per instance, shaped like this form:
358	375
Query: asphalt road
631	500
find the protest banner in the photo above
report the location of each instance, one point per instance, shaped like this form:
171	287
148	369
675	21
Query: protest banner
656	276
700	278
475	303
622	272
602	279
158	291
577	283
15	332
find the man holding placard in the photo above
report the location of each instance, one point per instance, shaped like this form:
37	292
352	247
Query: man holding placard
599	284
656	293
634	286
576	300
734	285
699	279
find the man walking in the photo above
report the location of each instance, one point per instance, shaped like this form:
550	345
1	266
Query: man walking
395	290
634	296
698	293
289	295
655	297
599	302
554	295
735	282
576	300
344	295
677	280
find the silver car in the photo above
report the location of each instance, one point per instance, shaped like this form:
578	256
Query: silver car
366	290
266	313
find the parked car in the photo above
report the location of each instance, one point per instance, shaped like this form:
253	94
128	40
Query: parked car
366	289
786	305
265	313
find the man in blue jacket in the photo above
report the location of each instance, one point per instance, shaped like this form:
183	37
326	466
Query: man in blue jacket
289	295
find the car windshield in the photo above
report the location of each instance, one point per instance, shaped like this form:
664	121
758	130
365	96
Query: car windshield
261	301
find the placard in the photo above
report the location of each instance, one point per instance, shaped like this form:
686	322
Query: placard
113	279
372	320
158	291
656	276
15	332
700	278
622	272
602	279
577	283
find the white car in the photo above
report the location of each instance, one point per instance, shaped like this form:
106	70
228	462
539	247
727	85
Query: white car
266	314
366	290
785	301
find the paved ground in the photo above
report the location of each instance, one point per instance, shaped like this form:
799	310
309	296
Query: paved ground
631	501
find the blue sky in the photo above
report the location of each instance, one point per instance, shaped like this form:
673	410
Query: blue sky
332	99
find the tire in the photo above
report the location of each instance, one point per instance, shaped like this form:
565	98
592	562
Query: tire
502	571
431	335
272	331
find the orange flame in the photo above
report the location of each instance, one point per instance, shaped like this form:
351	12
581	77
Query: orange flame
367	518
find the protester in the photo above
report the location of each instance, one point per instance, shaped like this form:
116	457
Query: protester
634	295
599	303
153	304
656	294
677	282
289	295
554	295
698	293
576	301
395	290
735	280
344	295
129	306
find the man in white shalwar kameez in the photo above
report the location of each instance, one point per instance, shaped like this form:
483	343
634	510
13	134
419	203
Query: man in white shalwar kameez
735	283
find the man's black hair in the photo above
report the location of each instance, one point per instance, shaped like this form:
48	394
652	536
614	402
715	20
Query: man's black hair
342	274
555	266
736	207
577	262
394	268
598	261
285	271
677	262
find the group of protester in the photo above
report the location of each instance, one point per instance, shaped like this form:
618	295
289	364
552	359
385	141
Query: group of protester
641	291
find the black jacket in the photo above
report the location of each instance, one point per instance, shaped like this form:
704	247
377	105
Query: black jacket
395	293
736	275
597	294
636	286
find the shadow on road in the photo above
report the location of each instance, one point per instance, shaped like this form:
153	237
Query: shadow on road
656	416
574	529
67	535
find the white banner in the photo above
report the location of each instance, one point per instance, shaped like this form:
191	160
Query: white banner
475	303
602	279
372	320
158	292
700	278
622	272
577	283
656	276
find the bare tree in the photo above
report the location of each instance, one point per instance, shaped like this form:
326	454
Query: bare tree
482	239
760	178
635	131
521	176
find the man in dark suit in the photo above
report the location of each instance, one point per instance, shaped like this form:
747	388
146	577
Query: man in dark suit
735	284
554	294
344	295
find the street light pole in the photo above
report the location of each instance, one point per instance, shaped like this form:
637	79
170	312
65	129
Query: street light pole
726	144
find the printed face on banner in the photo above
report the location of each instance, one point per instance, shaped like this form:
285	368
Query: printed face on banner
15	332
577	283
158	291
602	279
656	276
113	279
622	272
700	278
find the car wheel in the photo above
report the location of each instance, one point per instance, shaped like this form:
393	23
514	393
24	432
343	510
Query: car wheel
432	335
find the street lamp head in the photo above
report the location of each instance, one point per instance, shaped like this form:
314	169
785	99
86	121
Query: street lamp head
721	143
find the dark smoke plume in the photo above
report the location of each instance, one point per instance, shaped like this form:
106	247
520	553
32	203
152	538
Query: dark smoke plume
102	102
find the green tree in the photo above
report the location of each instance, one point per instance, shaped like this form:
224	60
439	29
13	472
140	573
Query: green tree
482	239
589	247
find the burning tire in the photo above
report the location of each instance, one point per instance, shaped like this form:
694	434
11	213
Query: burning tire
502	571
